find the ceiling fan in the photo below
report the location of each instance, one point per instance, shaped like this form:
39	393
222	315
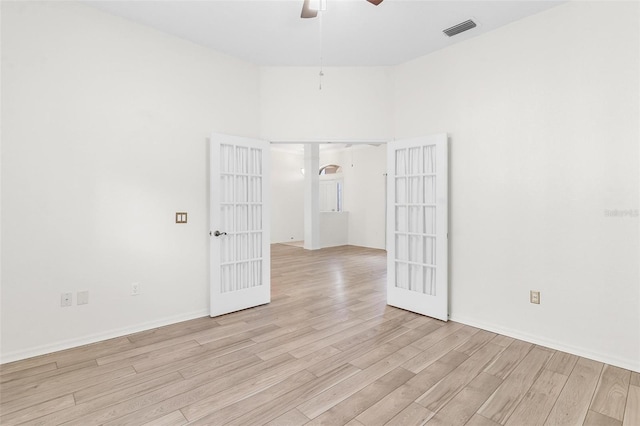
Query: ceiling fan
309	11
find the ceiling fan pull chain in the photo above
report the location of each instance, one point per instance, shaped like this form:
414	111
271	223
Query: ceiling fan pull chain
320	74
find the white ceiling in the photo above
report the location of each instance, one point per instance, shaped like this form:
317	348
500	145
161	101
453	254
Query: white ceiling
354	32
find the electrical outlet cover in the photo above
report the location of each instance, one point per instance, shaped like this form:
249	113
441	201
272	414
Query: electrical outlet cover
82	297
534	297
66	299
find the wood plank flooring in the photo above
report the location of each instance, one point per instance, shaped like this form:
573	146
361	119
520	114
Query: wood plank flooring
326	351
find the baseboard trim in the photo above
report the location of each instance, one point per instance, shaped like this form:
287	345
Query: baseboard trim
98	337
633	365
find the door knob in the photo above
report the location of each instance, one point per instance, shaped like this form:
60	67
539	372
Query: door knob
218	233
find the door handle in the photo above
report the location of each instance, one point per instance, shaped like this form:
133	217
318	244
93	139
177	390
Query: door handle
218	233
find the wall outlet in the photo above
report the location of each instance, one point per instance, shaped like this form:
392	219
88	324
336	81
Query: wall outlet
82	298
66	299
135	289
534	297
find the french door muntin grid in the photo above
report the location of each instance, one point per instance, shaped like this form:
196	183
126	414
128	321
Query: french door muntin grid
415	226
241	214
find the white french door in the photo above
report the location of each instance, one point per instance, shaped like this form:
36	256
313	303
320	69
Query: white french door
239	223
417	203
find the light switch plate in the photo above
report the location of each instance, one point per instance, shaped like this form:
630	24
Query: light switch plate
181	217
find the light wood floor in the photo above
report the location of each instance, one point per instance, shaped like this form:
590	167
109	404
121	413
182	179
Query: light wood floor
327	350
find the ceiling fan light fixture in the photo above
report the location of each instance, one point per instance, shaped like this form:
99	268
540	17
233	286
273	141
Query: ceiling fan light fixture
307	11
310	8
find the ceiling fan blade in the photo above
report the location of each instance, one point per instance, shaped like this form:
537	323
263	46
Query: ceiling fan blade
307	12
375	2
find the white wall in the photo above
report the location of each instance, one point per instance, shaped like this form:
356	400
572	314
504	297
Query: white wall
354	104
334	229
543	117
104	128
287	195
365	195
363	169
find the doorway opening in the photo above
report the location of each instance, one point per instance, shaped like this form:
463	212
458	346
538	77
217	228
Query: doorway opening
352	194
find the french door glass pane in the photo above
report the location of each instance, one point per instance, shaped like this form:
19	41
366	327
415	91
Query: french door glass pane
416	193
416	248
430	281
430	251
242	217
430	159
242	160
416	282
227	277
255	223
255	189
241	275
402	275
414	161
256	245
430	189
256	273
255	161
226	188
430	220
226	158
401	190
416	220
226	217
401	162
401	219
242	188
242	251
401	247
227	249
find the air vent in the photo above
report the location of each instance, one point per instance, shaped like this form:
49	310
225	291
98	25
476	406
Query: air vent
461	27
